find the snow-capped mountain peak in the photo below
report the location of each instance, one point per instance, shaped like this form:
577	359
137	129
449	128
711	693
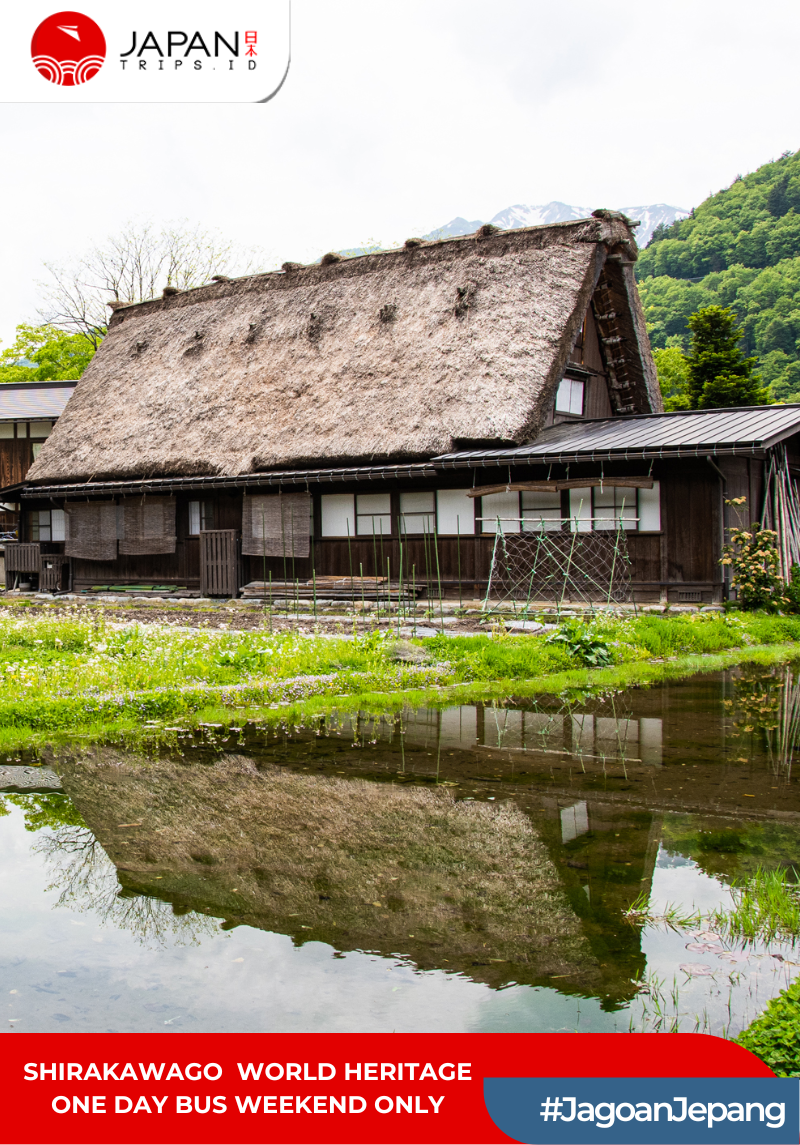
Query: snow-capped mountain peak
523	215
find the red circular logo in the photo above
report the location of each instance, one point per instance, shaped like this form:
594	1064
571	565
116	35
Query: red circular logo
68	48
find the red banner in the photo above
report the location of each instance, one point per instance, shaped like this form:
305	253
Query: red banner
310	1088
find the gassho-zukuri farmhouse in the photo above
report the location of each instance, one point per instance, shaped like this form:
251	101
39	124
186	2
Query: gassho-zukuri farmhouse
475	416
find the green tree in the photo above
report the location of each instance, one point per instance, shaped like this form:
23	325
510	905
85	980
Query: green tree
44	354
673	377
740	248
719	374
47	810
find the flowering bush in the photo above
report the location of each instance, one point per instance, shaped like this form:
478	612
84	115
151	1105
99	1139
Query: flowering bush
753	558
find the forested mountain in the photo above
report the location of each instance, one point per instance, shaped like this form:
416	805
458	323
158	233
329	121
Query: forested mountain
739	248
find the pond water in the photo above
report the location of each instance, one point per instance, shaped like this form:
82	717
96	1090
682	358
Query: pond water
463	869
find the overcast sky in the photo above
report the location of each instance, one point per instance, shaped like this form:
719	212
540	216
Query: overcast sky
395	118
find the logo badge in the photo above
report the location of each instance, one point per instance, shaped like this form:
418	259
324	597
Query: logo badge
68	48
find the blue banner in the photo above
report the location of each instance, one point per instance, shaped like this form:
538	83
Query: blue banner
686	1111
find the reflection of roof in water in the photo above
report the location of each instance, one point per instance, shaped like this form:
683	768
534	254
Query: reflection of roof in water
358	865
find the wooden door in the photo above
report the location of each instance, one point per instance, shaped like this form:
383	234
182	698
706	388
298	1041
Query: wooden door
220	562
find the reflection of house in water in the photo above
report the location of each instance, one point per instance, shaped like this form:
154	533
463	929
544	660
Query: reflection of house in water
460	886
529	887
477	727
605	852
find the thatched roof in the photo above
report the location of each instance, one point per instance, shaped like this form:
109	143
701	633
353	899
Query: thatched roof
388	356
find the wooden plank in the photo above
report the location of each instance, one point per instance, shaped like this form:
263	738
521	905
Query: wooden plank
53	571
22	556
556	486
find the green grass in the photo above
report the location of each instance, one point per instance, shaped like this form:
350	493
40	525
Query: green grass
775	1035
766	907
82	674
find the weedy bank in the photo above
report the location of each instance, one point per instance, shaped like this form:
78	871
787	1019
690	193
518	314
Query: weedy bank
82	673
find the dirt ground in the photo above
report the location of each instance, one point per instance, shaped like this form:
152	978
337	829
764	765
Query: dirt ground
241	616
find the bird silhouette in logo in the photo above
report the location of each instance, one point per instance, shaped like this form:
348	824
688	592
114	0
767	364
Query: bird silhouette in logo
68	48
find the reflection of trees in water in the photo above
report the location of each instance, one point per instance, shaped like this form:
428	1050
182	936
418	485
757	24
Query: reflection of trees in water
87	881
768	702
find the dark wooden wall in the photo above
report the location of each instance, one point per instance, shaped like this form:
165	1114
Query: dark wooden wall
682	558
16	458
365	557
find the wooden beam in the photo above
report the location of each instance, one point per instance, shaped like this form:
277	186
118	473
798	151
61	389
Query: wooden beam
612	482
556	486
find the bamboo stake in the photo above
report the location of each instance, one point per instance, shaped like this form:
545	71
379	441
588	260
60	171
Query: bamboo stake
294	577
491	571
314	572
264	551
400	579
389	591
438	575
414	594
427	564
350	558
283	543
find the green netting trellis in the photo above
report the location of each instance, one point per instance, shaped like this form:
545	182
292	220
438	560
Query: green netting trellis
561	565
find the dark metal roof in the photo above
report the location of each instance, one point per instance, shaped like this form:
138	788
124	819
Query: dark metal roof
208	484
696	433
34	401
720	432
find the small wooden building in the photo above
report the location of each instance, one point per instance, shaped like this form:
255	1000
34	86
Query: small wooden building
28	412
394	415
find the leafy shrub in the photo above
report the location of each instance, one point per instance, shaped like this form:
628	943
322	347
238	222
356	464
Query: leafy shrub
775	1036
754	561
591	648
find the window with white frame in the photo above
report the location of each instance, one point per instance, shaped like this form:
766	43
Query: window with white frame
541	510
201	517
418	512
337	512
615	507
650	509
47	525
455	512
611	507
569	397
373	514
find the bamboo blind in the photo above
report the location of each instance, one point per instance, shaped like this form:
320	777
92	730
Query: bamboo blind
148	526
276	525
92	530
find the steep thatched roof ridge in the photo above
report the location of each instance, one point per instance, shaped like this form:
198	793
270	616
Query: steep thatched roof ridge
395	355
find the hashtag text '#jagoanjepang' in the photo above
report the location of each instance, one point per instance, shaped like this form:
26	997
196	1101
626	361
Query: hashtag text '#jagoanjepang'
605	1113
